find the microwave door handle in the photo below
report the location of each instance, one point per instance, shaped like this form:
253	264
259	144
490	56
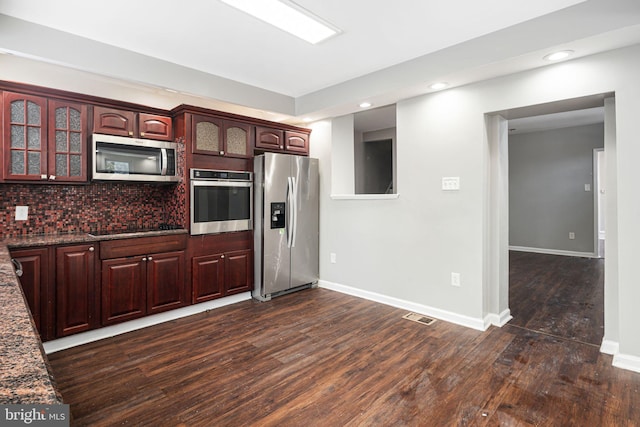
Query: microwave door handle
164	161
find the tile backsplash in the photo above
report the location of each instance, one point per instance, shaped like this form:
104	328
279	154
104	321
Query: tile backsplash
97	207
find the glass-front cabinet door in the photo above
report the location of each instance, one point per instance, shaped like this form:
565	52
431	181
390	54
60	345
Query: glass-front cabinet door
67	141
25	131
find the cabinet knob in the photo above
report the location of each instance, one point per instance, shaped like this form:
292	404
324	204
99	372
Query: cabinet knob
91	249
43	176
222	256
150	258
222	153
130	133
281	147
141	133
52	177
144	258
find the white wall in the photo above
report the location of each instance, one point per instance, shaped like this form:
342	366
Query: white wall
406	248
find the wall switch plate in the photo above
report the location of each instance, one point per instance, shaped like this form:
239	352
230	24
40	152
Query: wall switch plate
572	235
332	256
22	213
587	187
455	279
450	183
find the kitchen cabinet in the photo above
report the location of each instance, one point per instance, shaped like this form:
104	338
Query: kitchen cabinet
44	139
220	137
113	121
282	140
142	276
218	275
33	265
76	297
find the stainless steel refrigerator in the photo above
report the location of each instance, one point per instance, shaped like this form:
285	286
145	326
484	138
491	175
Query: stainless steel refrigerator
286	234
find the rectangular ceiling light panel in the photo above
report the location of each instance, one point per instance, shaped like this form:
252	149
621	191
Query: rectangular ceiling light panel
288	17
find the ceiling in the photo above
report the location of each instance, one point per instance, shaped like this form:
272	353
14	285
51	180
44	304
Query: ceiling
387	51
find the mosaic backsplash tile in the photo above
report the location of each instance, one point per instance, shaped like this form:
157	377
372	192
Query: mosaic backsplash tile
98	207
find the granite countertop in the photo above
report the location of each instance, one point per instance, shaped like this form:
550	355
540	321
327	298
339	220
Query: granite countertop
25	375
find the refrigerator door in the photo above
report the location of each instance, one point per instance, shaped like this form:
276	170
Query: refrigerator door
276	259
305	245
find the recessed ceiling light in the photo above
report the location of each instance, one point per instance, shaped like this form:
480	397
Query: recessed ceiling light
288	17
556	56
307	119
365	105
438	86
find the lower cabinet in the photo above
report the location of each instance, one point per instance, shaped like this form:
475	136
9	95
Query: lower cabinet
217	275
32	267
76	297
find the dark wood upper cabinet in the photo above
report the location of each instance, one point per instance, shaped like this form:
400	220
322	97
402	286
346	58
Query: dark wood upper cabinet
153	126
219	137
269	139
112	121
44	140
296	142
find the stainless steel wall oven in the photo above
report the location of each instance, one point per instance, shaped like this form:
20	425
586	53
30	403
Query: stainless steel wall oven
221	201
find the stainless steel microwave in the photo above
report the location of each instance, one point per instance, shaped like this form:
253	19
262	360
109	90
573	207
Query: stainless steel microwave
221	201
118	158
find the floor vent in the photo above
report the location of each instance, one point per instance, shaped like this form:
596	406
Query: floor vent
419	318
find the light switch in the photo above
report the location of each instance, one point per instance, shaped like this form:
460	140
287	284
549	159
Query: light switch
450	183
22	213
587	187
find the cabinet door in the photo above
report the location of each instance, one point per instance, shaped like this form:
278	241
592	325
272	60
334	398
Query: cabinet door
296	142
238	271
207	135
237	139
34	282
269	139
123	289
113	122
207	277
165	282
157	127
67	141
25	132
75	289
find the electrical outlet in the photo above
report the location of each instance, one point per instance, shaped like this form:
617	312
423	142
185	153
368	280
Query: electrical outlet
572	235
22	213
455	279
451	183
332	256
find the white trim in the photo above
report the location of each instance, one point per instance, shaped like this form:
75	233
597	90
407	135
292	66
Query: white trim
498	320
626	361
469	322
132	325
609	347
364	196
553	251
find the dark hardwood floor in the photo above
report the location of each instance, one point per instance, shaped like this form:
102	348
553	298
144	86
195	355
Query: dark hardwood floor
558	295
321	358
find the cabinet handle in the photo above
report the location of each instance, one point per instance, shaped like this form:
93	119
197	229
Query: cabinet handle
91	249
43	176
144	258
150	258
52	177
18	267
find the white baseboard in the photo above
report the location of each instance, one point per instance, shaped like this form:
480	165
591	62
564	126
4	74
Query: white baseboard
553	252
458	319
626	361
609	347
498	320
132	325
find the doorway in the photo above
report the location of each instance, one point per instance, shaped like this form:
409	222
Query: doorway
498	258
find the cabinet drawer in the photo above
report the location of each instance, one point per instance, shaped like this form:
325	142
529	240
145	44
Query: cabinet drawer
142	246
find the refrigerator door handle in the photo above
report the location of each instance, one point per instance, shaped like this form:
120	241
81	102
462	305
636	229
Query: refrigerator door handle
295	211
290	218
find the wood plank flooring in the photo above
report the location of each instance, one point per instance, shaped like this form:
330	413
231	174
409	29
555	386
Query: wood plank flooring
321	358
